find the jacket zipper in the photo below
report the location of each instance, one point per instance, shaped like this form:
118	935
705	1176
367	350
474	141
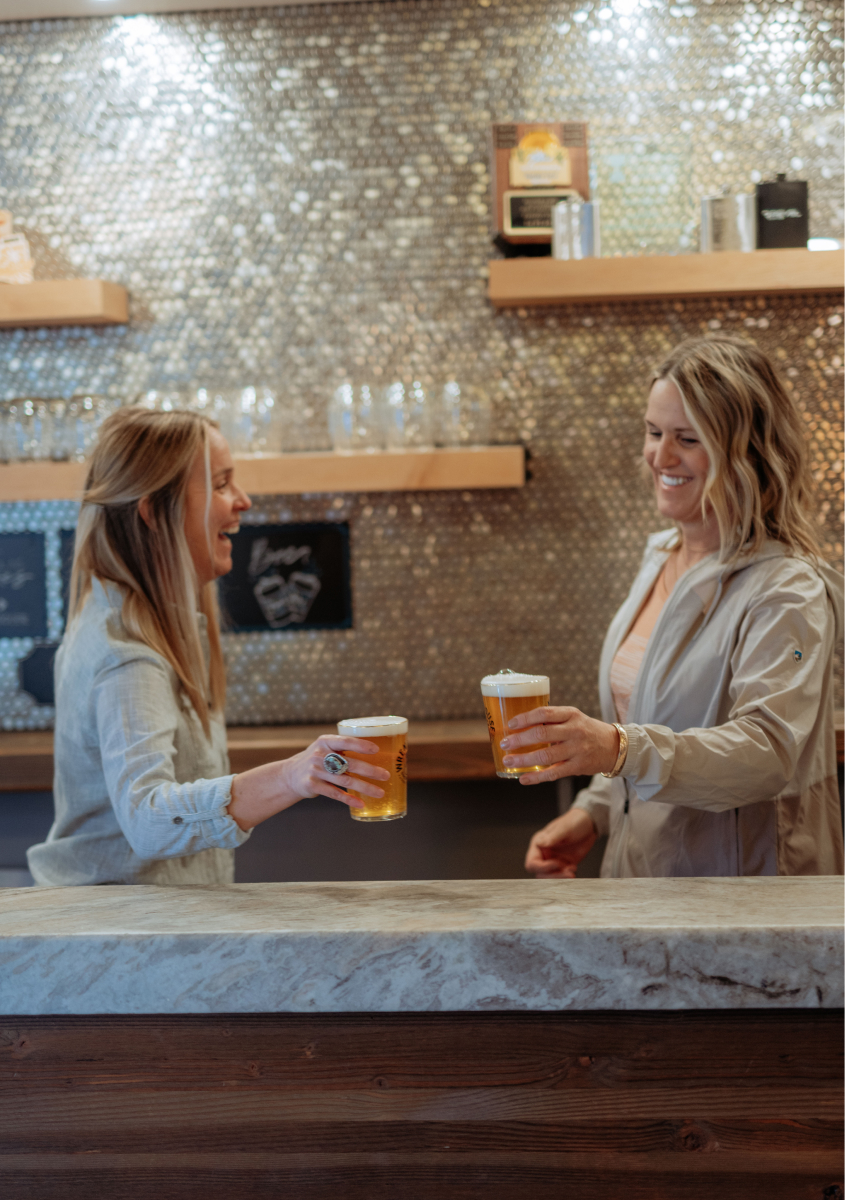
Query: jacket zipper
623	836
623	832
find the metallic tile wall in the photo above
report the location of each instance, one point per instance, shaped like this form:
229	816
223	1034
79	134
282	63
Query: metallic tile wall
300	195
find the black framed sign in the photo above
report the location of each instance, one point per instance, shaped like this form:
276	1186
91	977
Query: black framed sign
35	673
288	577
23	585
67	542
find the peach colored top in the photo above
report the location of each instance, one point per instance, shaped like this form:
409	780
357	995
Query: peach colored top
626	665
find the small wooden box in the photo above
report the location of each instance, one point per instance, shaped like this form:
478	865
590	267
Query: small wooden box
532	164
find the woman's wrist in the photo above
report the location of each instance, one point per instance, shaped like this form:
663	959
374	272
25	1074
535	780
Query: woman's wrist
260	793
619	749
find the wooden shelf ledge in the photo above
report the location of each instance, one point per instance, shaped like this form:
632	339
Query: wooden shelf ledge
437	750
63	302
521	282
322	471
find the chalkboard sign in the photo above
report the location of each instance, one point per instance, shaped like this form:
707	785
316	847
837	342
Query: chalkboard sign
288	577
23	585
35	673
68	540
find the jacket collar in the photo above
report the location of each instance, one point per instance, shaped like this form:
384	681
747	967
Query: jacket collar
708	577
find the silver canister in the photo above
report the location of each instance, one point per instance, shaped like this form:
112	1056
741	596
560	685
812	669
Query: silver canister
728	223
576	232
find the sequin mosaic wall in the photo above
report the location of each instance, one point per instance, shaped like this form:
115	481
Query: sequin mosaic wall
298	196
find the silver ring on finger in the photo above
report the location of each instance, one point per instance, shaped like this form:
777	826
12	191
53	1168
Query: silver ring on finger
335	764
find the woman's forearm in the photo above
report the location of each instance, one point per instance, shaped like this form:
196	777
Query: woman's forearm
260	793
273	787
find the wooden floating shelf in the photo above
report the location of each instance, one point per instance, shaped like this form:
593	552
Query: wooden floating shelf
63	302
323	471
384	470
520	282
438	750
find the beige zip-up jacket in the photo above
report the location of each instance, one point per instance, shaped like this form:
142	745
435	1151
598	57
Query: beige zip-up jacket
731	766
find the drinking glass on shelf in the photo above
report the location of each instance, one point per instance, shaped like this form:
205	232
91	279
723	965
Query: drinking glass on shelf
407	417
209	400
10	431
26	430
164	399
251	420
465	415
6	445
39	429
266	427
354	419
300	422
240	409
83	416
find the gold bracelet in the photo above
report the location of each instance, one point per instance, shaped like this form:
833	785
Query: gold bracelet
622	755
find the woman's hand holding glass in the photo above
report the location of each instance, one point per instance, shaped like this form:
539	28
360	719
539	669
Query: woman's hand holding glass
577	744
263	791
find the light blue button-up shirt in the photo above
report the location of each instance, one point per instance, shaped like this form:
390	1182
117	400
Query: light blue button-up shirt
140	792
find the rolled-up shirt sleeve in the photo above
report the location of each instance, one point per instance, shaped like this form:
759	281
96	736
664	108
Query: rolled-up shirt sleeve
137	714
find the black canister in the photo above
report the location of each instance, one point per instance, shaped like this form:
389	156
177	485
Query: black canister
782	214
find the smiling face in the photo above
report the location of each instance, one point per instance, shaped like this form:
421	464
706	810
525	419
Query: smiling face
675	456
228	501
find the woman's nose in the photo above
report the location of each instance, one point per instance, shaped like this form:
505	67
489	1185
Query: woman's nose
666	454
242	502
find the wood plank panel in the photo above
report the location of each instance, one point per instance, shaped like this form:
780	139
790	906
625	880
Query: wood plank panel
187	1120
578	1050
518	282
63	302
399	1177
496	1106
293	474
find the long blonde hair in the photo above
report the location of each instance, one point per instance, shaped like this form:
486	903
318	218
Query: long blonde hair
759	484
142	453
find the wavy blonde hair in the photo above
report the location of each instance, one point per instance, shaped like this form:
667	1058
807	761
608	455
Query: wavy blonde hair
759	483
141	453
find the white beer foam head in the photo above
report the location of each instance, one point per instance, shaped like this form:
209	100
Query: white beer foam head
513	684
365	727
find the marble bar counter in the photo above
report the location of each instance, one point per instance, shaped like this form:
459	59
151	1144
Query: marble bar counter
478	1040
458	946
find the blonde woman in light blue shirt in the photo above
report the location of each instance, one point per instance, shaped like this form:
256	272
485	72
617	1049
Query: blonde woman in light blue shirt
142	787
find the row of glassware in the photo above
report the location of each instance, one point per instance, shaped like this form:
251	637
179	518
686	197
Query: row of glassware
404	415
408	416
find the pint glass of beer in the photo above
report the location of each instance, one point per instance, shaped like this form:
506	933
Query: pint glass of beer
506	695
390	734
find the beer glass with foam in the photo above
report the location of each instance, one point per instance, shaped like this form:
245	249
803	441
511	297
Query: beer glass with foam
506	695
390	734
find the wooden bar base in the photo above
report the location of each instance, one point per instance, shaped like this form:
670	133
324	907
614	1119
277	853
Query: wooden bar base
494	1106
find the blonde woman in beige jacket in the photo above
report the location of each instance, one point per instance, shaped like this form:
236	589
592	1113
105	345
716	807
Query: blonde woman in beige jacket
716	754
